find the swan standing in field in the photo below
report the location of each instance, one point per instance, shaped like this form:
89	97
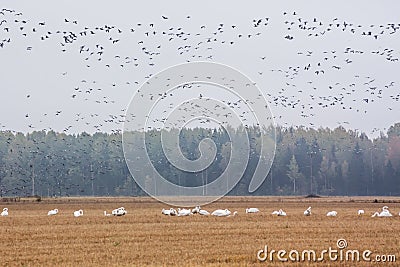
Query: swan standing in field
307	212
384	213
78	213
252	210
184	212
4	212
360	212
119	212
52	212
332	213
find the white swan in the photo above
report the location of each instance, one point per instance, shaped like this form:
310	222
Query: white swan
78	213
221	213
252	210
52	212
173	212
196	210
279	212
233	214
204	212
184	212
307	212
360	212
4	212
332	213
384	213
169	212
119	212
166	212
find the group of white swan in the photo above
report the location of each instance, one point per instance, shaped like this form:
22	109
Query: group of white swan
78	213
53	212
225	212
197	210
384	213
184	212
219	212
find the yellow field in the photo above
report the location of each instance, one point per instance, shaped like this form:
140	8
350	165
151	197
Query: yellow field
146	237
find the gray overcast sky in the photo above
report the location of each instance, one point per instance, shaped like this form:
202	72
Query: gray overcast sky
318	63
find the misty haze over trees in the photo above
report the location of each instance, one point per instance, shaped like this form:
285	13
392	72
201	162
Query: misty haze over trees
307	161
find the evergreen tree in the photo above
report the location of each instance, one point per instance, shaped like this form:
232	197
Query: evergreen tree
293	173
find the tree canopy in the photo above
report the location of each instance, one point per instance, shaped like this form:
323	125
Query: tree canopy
307	161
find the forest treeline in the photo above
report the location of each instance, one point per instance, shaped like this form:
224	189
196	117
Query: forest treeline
307	161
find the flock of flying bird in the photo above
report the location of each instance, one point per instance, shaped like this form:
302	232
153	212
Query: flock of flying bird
101	47
218	213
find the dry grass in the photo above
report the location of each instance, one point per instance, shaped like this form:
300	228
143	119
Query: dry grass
145	237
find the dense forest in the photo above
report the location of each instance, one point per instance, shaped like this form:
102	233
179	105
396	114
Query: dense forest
307	161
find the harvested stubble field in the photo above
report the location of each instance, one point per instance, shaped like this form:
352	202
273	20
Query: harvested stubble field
145	237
